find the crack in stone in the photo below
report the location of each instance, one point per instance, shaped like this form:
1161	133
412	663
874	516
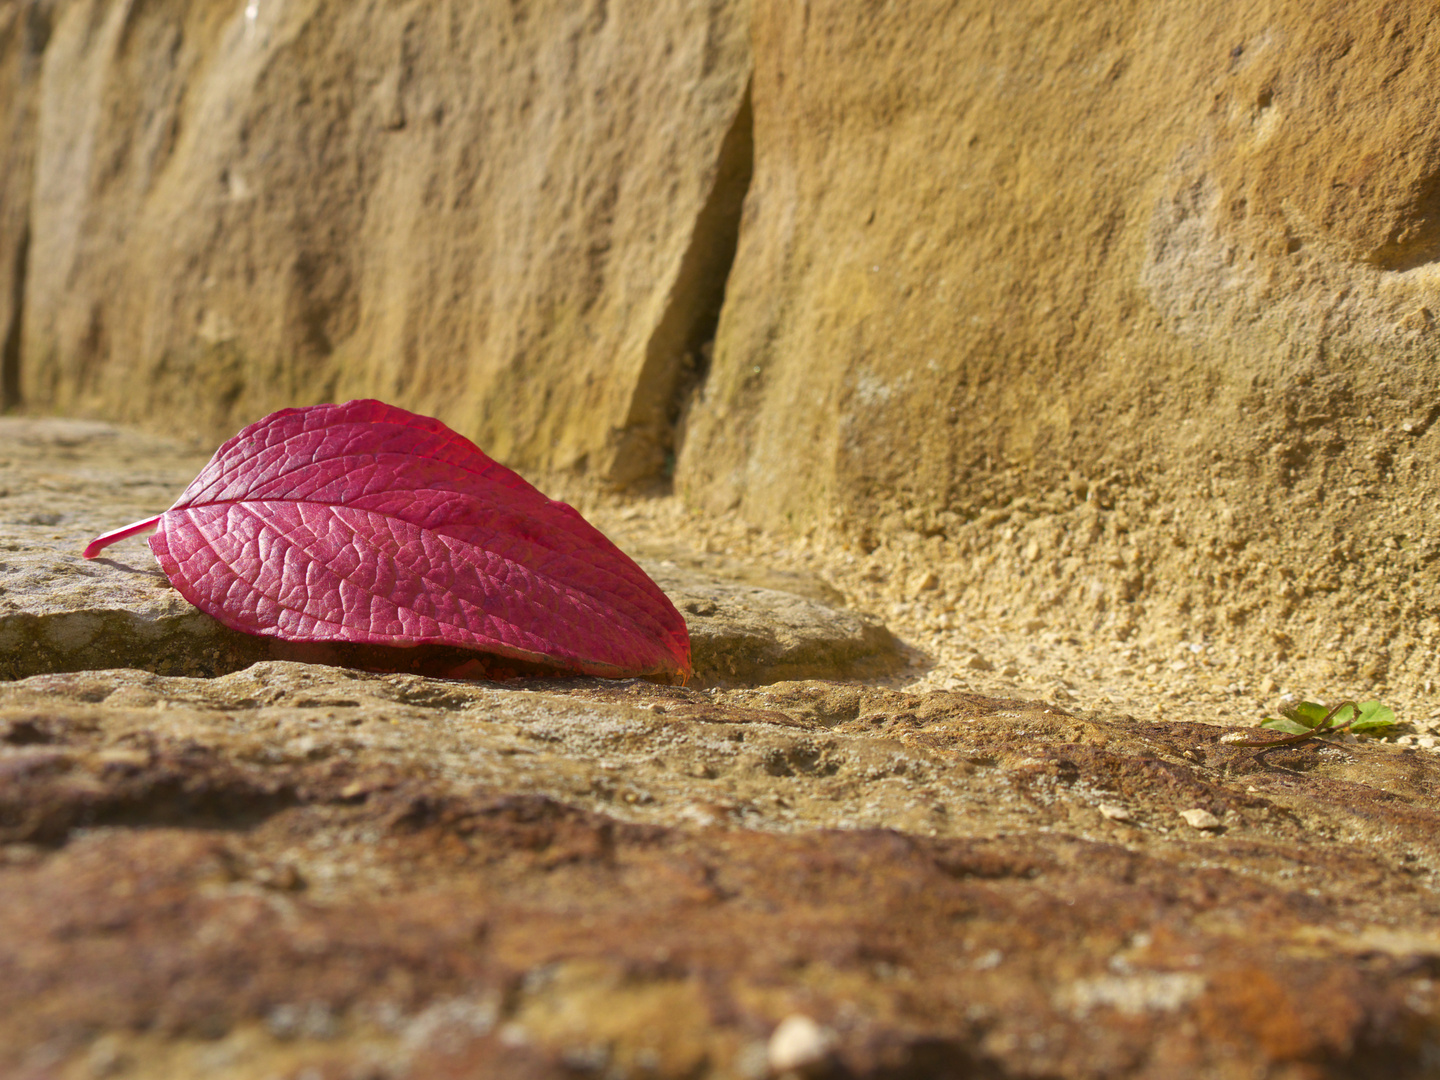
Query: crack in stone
677	357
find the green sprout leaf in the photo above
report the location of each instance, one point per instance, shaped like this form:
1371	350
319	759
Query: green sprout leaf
1308	715
1289	727
1297	719
1373	717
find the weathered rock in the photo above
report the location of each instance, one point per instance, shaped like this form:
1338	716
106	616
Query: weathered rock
296	867
744	634
922	285
1159	280
67	481
59	613
244	207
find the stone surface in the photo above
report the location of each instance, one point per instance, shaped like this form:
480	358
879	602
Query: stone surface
298	867
24	33
1122	318
240	207
744	634
1113	325
66	481
951	301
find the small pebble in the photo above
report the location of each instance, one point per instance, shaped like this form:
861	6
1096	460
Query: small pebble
1113	812
979	663
797	1042
989	961
1200	819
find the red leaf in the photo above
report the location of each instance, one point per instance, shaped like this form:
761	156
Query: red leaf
365	523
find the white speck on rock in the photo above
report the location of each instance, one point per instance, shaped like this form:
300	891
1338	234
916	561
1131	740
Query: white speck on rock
989	961
1133	995
797	1042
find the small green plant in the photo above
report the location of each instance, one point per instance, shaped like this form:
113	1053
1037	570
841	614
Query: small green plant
1310	718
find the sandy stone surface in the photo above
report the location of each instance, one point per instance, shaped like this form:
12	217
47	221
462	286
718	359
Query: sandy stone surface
1164	439
990	645
1090	353
1122	323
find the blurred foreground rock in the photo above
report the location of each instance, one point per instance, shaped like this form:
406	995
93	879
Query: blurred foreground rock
296	868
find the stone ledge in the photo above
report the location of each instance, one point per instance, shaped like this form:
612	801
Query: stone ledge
60	612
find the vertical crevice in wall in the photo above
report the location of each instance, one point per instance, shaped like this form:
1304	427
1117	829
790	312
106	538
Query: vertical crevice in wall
677	357
10	349
19	127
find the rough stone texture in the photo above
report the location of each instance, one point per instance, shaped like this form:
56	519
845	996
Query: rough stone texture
59	481
296	867
66	481
494	213
1121	317
302	870
742	634
1117	322
1045	223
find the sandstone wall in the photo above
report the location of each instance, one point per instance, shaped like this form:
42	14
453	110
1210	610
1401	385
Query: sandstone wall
481	211
1121	315
1039	236
24	33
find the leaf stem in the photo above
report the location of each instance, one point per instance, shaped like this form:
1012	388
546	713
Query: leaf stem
1318	729
135	528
